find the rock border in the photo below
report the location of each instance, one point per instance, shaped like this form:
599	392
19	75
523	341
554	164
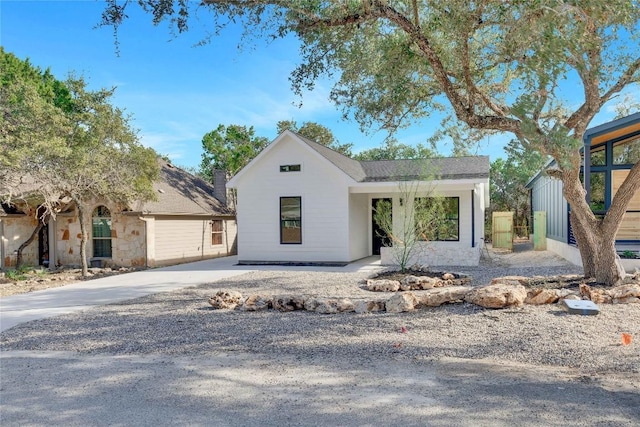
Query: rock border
503	292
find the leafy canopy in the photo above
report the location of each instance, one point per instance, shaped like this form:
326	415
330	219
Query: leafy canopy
229	148
317	133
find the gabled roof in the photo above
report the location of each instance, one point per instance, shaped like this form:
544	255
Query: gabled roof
181	193
351	167
393	170
436	168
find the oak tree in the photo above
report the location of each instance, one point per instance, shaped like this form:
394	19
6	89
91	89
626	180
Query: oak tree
539	70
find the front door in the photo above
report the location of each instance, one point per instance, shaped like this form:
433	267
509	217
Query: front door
43	246
379	237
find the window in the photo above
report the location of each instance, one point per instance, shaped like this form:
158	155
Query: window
101	222
289	168
217	227
599	156
627	152
437	218
290	220
596	192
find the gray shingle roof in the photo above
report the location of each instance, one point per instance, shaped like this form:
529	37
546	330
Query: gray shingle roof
394	170
181	193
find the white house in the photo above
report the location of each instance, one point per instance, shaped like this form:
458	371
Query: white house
301	202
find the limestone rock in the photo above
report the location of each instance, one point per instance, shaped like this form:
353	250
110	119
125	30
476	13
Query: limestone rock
418	282
541	296
448	276
368	306
332	306
383	285
225	300
510	280
498	295
624	294
288	303
310	304
567	294
401	302
596	295
257	302
449	294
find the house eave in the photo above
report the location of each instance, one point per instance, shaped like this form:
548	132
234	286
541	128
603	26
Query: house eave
395	186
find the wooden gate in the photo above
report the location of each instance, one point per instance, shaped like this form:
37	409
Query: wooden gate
540	230
502	230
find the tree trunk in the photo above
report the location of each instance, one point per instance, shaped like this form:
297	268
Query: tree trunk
595	238
83	238
27	243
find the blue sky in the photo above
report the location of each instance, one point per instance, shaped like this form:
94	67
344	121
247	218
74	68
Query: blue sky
177	92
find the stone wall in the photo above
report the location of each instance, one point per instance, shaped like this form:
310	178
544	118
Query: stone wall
128	241
435	253
15	231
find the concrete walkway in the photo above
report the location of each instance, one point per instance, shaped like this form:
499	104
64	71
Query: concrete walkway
86	294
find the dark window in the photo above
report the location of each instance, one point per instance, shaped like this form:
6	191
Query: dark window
597	192
627	152
290	220
216	232
101	221
437	218
289	168
599	156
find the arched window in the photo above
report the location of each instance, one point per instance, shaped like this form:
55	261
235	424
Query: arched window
101	220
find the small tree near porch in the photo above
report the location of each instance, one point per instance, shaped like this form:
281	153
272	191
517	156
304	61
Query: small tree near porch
421	217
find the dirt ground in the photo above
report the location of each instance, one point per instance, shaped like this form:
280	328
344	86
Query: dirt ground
39	279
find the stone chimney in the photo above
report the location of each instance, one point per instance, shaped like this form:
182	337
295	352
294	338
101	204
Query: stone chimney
220	186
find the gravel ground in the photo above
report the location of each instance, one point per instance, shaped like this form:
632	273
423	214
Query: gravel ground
183	323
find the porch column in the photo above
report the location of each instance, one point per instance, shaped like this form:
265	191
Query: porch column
586	168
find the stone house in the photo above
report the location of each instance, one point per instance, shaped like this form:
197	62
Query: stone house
189	221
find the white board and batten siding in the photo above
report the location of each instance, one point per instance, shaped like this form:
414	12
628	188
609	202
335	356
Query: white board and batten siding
325	216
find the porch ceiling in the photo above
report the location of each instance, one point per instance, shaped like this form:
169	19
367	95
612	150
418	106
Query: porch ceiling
397	187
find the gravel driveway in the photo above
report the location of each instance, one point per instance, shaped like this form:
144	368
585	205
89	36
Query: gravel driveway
169	359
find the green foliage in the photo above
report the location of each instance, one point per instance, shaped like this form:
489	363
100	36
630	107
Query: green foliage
629	254
509	178
317	133
229	148
62	143
393	150
17	274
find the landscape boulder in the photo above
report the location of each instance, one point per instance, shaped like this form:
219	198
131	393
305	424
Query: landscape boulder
510	280
368	306
383	285
288	303
401	302
332	306
227	300
449	294
411	282
599	296
257	302
625	294
541	296
498	295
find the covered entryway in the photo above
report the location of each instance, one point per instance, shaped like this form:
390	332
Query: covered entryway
379	238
